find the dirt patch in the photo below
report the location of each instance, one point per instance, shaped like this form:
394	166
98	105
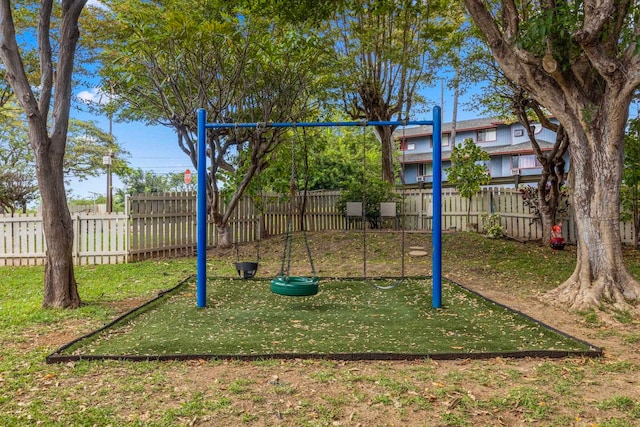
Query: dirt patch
51	336
126	305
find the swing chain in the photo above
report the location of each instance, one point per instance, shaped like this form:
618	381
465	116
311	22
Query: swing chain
288	244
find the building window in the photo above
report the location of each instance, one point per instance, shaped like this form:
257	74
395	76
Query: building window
405	145
445	139
486	135
425	169
525	161
518	132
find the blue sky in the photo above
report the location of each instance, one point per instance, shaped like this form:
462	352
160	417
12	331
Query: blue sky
155	148
151	148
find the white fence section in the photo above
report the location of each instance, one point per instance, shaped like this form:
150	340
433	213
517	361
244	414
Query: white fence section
98	239
164	225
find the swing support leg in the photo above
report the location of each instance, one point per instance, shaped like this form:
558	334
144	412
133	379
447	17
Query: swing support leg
202	210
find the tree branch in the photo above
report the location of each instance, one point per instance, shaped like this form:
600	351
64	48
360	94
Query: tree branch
599	47
45	56
12	60
69	35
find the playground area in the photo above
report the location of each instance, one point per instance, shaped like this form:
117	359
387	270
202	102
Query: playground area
388	316
348	320
575	391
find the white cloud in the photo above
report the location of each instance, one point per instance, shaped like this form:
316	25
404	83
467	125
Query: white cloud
94	96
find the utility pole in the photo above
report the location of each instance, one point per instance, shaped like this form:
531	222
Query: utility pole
106	160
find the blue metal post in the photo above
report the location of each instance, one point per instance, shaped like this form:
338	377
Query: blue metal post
202	210
436	235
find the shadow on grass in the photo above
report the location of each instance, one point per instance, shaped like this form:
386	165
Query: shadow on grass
348	320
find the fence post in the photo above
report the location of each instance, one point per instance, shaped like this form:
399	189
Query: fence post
127	229
76	238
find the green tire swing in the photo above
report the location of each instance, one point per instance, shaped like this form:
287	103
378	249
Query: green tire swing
285	284
294	286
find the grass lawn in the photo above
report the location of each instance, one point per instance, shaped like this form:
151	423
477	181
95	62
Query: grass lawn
348	316
572	391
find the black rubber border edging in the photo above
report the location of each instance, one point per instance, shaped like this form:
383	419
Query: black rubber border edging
55	356
593	352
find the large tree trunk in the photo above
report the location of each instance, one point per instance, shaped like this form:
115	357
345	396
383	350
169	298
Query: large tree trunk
385	133
586	78
60	288
600	274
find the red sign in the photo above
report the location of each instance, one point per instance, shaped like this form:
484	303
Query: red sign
187	176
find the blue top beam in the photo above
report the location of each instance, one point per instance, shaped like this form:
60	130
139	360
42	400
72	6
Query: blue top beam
318	124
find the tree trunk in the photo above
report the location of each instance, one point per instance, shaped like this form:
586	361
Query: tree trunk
586	79
547	221
636	222
385	134
600	275
548	196
225	239
60	288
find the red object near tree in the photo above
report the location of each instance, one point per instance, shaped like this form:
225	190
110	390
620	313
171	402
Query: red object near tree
557	241
187	176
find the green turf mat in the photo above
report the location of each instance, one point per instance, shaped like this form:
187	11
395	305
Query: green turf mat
347	316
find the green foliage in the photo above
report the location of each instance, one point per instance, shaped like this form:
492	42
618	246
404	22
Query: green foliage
468	171
17	170
376	192
493	226
296	10
87	144
240	64
530	200
360	155
551	25
343	155
330	159
140	182
385	53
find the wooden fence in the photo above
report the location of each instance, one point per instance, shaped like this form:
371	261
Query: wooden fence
164	225
98	239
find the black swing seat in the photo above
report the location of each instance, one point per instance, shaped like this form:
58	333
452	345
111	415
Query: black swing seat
246	270
294	286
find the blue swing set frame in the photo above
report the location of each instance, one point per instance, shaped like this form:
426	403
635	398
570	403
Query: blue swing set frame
201	218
